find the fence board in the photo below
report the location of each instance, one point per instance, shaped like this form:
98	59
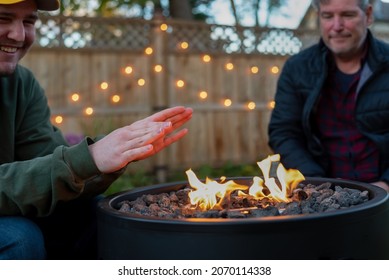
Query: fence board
218	134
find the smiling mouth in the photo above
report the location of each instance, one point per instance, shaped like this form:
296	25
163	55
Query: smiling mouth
8	49
340	37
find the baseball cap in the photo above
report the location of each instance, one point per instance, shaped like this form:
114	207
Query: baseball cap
43	5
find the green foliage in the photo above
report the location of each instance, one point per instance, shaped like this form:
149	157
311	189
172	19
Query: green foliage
228	170
140	8
129	181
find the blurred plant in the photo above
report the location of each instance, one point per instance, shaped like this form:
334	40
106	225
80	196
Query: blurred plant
131	180
73	138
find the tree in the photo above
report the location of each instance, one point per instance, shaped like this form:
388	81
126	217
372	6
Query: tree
253	9
180	9
259	10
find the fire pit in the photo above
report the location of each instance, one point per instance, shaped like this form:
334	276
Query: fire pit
358	232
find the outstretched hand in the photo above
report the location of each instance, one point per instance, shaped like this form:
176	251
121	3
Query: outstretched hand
140	140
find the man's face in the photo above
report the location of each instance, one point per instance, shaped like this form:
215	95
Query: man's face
343	26
17	33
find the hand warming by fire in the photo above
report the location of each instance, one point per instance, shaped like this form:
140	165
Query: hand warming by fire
211	194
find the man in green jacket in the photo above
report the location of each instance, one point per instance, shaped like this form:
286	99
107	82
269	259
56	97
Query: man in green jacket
48	189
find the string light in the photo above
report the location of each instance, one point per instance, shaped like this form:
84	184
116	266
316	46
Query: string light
275	70
180	83
163	26
229	66
115	98
89	111
128	70
75	97
58	119
158	68
254	70
149	51
206	58
104	85
227	102
251	105
141	82
203	94
184	45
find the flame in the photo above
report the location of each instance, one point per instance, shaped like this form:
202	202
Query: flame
211	194
278	188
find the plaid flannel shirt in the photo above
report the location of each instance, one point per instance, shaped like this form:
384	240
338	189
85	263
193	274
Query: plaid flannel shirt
352	155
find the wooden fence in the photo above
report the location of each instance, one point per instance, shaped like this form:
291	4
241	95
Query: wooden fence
125	70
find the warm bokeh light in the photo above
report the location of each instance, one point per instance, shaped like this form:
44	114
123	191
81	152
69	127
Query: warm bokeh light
272	104
184	45
203	94
104	85
75	97
115	98
163	26
128	70
149	50
254	70
89	111
251	105
180	83
227	102
158	68
229	66
275	70
206	58
58	119
141	82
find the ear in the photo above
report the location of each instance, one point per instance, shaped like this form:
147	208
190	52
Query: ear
369	14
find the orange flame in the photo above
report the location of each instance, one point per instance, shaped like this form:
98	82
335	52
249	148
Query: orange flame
211	194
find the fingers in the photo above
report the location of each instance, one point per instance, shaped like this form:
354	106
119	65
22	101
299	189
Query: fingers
139	153
176	116
145	124
172	114
166	114
146	134
143	140
163	142
124	145
178	122
140	139
175	137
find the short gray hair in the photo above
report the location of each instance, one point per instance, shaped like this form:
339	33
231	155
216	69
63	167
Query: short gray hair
361	3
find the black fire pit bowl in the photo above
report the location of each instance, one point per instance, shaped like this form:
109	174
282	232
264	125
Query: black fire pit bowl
359	232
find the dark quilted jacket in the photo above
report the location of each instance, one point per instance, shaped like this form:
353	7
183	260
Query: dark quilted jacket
291	133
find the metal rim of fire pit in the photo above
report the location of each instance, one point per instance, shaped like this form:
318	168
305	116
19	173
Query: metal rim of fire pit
377	197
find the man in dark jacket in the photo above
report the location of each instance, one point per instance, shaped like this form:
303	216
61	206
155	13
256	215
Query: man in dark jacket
331	117
47	188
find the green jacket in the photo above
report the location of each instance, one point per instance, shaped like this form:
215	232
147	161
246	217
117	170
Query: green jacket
37	167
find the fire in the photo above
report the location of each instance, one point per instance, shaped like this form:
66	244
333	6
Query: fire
276	186
210	195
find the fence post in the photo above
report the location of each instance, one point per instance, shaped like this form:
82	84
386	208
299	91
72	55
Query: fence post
159	94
